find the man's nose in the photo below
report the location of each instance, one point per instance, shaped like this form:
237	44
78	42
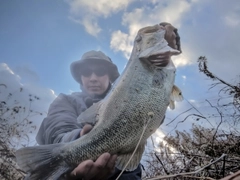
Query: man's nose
93	77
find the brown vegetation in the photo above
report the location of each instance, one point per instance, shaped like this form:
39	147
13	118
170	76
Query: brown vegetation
15	127
202	152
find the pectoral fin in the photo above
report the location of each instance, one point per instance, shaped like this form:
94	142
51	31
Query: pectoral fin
176	95
90	116
135	159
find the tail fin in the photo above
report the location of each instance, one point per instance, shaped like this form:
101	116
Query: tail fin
40	162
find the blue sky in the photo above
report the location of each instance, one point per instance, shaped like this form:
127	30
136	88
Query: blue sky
40	39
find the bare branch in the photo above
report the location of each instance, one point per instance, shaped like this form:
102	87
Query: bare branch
190	173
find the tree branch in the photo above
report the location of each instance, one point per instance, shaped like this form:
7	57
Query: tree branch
189	173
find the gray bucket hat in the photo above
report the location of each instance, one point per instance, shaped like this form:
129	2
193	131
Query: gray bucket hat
91	57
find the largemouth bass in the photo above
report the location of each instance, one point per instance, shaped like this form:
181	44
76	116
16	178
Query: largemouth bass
132	111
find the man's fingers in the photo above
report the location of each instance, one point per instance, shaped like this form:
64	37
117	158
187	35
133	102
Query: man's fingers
160	62
101	163
106	165
86	129
82	169
98	170
161	57
111	163
167	53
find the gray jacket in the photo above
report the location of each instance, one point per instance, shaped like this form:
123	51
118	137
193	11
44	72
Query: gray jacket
61	125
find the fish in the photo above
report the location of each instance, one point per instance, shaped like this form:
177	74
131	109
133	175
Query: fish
132	111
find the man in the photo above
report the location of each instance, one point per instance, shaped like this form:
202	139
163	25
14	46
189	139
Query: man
95	73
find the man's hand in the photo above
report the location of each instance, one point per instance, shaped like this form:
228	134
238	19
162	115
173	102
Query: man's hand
90	170
100	169
173	39
161	60
86	129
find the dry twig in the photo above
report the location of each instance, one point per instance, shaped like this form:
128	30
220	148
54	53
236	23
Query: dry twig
186	174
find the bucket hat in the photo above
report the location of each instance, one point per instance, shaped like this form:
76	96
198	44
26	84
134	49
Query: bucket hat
93	57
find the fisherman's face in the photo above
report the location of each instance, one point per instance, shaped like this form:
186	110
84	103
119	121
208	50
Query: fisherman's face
95	79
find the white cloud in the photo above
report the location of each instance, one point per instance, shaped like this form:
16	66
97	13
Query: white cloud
121	42
232	20
34	98
101	8
26	74
180	60
213	31
4	67
229	13
90	24
87	12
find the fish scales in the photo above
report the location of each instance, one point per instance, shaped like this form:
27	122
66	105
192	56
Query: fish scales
122	113
138	99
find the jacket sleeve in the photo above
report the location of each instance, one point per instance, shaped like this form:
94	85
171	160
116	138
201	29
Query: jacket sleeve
60	125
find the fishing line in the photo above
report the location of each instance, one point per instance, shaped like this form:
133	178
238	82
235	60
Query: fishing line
150	114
